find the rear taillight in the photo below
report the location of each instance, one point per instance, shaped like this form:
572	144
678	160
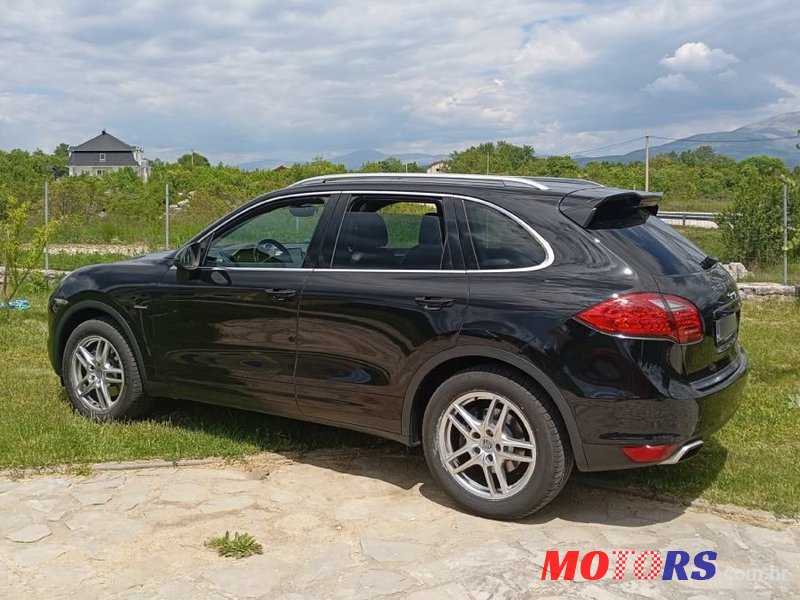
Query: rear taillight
643	454
648	315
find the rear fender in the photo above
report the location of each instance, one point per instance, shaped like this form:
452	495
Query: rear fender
512	360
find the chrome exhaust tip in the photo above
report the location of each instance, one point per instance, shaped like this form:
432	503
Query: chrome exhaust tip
685	452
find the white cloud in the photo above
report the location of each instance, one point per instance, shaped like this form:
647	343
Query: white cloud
672	84
697	57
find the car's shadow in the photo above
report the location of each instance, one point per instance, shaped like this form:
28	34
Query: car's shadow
614	498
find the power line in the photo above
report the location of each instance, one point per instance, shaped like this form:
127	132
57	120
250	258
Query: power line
617	145
669	139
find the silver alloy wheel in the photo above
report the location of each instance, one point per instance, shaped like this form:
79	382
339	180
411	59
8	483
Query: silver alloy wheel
487	445
96	376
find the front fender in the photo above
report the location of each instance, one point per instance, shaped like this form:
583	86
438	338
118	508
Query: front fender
89	306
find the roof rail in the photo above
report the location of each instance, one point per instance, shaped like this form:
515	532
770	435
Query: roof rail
575	180
505	180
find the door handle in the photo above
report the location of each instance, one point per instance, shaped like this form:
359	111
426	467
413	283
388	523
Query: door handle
434	303
281	294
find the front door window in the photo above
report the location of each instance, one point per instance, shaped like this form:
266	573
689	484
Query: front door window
273	239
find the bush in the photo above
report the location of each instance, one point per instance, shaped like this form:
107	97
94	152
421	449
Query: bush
19	256
752	227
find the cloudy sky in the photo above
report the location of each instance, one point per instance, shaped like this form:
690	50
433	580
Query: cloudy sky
244	79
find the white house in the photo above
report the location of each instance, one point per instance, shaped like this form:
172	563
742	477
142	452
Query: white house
436	167
105	153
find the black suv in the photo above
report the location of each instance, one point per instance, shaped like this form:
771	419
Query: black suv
513	326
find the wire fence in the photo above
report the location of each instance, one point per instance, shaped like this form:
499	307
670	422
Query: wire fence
125	236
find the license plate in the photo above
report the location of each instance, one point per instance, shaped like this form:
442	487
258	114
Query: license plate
726	328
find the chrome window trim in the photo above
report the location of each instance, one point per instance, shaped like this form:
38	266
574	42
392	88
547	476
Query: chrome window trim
549	255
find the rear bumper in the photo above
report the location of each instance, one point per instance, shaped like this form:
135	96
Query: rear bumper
682	421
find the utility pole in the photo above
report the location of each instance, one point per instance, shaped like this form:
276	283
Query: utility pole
46	221
166	215
193	158
646	161
488	154
785	233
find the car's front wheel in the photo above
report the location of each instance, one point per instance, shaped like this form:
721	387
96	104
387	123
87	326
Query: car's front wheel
493	442
100	373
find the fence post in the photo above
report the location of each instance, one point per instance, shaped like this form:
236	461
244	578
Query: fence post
785	233
166	215
46	221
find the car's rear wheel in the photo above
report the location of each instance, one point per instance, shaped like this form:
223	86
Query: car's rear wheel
100	373
493	442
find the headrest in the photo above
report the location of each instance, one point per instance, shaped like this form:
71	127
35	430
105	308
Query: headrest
430	231
366	230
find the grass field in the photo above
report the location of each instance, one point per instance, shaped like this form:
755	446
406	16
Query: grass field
752	462
710	240
694	205
70	262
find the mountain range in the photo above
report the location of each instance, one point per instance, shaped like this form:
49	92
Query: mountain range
352	160
775	136
768	136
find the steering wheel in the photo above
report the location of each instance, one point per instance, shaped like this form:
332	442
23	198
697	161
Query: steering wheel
224	258
270	250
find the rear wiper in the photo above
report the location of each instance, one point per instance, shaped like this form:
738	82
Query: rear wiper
708	262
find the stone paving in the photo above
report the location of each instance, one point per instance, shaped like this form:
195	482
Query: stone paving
350	525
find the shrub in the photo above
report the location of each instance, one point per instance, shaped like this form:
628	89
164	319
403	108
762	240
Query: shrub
19	256
752	227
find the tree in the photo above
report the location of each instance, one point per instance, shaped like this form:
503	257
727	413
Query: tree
390	165
501	158
18	255
61	152
561	166
192	160
751	226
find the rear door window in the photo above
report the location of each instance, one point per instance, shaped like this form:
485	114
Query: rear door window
385	232
499	241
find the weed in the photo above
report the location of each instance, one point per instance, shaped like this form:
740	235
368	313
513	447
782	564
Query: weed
241	545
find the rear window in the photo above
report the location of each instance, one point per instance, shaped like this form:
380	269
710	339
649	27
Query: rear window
651	244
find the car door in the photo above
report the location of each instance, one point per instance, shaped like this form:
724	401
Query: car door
226	331
390	293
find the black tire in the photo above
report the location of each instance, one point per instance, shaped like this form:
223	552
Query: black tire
131	401
553	457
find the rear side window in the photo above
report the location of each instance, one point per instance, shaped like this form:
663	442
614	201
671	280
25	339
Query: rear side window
651	244
389	233
499	241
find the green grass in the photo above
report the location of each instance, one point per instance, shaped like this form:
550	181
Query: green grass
694	204
131	231
752	462
241	545
70	262
710	240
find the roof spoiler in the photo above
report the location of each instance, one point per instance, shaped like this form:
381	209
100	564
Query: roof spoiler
583	206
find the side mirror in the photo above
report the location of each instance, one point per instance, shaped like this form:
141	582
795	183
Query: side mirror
188	257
